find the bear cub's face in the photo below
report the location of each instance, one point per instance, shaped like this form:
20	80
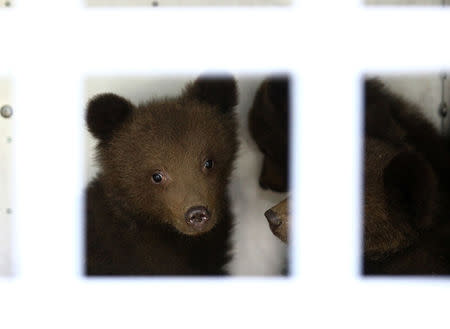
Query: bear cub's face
169	160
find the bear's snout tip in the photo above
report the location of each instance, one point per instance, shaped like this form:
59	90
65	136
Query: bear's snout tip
272	218
197	216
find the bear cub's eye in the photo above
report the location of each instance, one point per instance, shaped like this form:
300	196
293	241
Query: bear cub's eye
157	177
208	164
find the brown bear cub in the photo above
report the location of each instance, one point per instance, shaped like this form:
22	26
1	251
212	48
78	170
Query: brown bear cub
269	127
407	189
159	205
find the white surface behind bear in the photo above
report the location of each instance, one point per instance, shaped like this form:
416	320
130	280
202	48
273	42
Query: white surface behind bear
256	250
424	90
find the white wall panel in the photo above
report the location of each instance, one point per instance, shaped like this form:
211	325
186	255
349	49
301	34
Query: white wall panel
187	2
257	251
6	143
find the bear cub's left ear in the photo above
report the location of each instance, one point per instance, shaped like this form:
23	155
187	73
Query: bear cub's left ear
220	91
106	113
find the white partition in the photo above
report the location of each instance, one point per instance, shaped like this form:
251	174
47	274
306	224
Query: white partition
6	209
188	2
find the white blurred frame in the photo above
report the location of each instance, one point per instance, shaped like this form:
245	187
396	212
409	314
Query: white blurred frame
327	45
163	3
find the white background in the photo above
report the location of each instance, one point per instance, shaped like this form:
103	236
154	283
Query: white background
49	49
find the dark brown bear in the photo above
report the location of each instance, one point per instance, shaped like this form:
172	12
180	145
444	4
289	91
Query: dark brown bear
159	205
406	186
269	126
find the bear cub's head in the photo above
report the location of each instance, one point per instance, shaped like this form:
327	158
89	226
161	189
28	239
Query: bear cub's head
268	123
168	161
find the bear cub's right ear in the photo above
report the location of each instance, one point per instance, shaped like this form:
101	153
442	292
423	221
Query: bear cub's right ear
106	113
219	90
278	92
411	186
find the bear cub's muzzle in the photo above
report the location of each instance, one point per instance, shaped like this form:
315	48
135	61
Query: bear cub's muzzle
197	216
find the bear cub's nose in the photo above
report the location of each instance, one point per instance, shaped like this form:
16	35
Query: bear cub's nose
272	218
197	215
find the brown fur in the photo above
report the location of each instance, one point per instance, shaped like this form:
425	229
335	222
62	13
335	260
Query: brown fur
136	226
269	127
406	184
281	213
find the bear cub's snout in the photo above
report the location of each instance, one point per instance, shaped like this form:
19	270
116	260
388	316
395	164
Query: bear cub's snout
197	216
